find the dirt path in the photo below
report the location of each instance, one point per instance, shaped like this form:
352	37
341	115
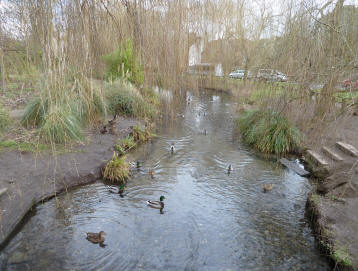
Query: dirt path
30	179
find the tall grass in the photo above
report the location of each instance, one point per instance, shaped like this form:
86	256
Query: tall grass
124	98
65	105
269	132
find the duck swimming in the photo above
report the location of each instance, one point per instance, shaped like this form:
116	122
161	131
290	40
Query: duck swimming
95	238
268	187
229	169
172	148
117	190
157	204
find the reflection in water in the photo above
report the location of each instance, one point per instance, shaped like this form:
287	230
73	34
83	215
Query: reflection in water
212	220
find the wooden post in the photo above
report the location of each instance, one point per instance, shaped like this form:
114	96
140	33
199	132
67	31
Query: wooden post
2	70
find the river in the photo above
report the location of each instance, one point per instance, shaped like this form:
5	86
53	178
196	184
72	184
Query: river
211	221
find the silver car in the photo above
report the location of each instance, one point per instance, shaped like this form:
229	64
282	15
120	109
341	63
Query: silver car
239	74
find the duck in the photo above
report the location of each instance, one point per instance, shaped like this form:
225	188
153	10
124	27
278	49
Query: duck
138	164
172	148
151	173
113	121
95	238
157	204
229	169
268	187
104	130
117	190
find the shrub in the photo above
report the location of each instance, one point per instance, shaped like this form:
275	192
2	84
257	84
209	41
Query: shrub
124	98
5	120
123	63
117	169
269	132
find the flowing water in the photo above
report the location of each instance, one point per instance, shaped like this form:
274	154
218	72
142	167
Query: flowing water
211	220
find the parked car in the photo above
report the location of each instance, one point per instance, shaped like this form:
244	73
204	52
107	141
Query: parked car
239	74
271	75
351	83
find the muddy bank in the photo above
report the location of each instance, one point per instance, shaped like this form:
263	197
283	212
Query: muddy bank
332	211
31	178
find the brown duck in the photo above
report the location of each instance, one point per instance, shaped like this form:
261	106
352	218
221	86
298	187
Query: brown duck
268	187
95	238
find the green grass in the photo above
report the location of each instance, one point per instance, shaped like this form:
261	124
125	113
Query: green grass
266	90
269	132
5	120
123	98
117	169
23	146
125	145
341	256
64	107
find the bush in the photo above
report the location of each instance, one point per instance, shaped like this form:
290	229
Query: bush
117	170
5	120
123	63
269	132
124	98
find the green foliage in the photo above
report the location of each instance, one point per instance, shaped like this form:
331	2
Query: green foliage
22	146
117	169
123	63
124	98
269	132
125	145
5	120
34	112
341	256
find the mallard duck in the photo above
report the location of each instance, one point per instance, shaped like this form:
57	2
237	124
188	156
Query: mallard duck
151	173
157	204
268	187
172	148
117	190
95	238
138	164
229	169
113	121
104	130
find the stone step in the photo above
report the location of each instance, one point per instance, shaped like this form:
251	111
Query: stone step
317	158
294	166
347	148
3	191
331	154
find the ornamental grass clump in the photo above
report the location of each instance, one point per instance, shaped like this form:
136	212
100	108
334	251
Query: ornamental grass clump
66	104
269	132
117	170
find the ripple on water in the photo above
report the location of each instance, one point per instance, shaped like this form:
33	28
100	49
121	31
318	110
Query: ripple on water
211	220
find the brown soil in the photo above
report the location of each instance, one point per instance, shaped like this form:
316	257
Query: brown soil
31	178
335	215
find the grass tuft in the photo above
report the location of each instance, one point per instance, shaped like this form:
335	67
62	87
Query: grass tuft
117	169
125	145
124	98
269	132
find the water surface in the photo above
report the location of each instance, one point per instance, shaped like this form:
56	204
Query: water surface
211	220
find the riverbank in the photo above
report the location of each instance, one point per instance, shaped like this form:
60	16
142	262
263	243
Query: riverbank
34	177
